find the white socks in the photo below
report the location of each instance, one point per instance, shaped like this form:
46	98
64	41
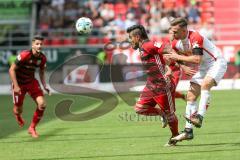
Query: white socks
191	108
204	100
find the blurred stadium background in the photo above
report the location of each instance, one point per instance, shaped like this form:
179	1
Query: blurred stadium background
55	20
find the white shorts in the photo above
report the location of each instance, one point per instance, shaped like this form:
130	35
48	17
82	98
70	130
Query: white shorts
216	71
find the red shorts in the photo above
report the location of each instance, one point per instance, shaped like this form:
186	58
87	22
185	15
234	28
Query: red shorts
165	101
33	89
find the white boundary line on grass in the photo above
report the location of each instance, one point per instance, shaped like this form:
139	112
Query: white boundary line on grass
226	84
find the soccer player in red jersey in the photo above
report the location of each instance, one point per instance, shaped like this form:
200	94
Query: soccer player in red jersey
159	88
23	81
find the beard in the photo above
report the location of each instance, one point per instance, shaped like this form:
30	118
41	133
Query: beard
37	52
135	46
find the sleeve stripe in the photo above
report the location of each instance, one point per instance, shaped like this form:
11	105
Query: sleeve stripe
210	54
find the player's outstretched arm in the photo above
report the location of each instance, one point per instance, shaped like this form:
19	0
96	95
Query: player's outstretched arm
12	73
43	80
191	59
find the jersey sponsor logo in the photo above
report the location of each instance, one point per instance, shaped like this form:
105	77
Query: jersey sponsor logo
19	57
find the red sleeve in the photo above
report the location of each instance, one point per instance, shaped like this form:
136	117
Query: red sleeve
159	46
174	44
196	40
43	62
22	57
153	47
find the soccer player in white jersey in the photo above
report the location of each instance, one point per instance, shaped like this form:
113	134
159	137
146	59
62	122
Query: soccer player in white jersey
191	47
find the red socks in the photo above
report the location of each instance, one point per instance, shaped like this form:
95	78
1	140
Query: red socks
37	117
173	124
18	115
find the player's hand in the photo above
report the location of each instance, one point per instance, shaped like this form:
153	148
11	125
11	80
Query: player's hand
172	55
47	90
17	90
188	70
169	72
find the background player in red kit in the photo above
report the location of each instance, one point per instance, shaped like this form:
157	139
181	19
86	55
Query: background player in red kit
23	81
159	88
176	69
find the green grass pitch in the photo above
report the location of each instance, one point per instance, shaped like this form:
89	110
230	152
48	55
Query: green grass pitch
118	134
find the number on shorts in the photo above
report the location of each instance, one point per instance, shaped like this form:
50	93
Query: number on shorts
16	99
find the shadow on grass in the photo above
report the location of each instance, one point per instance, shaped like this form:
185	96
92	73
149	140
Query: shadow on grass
143	154
9	126
209	144
54	136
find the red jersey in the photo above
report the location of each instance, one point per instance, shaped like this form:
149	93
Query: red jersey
151	54
26	65
172	64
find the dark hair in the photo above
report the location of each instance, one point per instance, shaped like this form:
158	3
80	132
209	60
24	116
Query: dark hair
138	30
38	37
182	22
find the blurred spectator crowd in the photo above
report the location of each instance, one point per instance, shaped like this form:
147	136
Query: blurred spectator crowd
56	18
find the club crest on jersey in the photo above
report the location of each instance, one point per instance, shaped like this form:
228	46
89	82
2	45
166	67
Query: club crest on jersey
38	62
195	45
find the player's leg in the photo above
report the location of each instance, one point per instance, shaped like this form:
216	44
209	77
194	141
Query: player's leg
37	116
146	104
147	107
18	106
191	109
213	77
167	104
17	110
192	95
37	94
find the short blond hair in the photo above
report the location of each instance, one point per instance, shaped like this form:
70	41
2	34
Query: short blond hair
182	22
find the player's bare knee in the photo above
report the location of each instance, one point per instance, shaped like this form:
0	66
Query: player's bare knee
191	97
193	92
206	86
208	83
139	109
42	105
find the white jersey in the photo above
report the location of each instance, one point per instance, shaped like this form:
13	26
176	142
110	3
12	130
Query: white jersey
213	64
195	40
